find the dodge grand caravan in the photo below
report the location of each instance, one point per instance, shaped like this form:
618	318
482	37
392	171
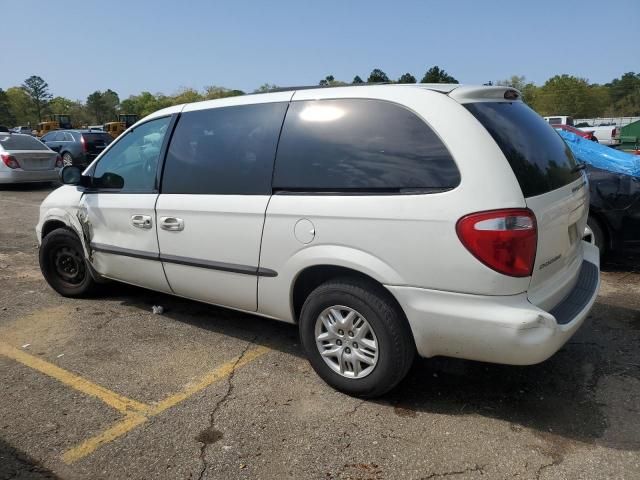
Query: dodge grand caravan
383	220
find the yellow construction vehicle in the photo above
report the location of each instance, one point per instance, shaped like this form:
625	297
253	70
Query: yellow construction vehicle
125	120
53	122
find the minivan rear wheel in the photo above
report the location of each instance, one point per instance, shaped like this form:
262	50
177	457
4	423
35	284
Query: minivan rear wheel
63	264
356	338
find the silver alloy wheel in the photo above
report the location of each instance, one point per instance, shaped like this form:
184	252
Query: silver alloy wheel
67	159
346	341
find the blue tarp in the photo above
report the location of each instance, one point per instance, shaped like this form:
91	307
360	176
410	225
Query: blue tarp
601	156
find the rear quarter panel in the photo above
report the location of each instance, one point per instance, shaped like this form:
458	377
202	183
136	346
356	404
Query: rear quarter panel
396	239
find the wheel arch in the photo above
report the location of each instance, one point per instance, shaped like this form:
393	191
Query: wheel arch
311	277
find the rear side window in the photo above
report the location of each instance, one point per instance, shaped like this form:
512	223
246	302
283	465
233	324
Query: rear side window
360	145
227	150
538	156
21	142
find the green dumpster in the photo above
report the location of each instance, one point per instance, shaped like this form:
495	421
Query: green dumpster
630	136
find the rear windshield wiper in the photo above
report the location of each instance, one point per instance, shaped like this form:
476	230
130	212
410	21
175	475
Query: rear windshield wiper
578	167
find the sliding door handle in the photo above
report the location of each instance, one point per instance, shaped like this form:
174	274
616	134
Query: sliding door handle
172	224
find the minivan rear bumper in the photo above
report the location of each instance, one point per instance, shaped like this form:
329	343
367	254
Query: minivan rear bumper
497	329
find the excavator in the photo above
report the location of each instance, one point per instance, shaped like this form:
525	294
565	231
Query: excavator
125	120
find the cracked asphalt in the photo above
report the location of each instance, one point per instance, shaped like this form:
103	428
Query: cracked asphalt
576	416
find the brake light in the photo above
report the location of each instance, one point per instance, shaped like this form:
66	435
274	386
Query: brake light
84	143
9	160
59	162
615	132
504	240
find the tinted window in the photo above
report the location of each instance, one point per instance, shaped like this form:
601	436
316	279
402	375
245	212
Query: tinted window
48	137
227	150
538	156
98	137
21	142
134	157
360	145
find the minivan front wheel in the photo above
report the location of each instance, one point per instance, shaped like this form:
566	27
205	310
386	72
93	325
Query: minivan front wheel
356	338
63	264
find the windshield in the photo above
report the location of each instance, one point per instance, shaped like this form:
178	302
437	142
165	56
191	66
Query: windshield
538	156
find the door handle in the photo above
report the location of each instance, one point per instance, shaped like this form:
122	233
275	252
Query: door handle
173	224
141	221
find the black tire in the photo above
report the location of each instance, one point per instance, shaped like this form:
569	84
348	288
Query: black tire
594	139
67	159
63	264
598	234
396	347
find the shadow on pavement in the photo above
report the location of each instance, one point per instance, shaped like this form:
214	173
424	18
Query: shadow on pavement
16	464
557	397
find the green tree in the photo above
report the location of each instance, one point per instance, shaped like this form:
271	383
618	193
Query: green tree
7	118
437	75
96	106
20	106
519	82
111	102
569	95
625	94
265	87
212	92
357	80
186	95
377	76
407	78
38	91
330	80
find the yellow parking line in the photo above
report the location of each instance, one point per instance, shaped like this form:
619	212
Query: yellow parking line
119	402
132	420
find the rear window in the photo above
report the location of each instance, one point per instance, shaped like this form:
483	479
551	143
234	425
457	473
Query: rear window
92	137
360	145
538	156
21	142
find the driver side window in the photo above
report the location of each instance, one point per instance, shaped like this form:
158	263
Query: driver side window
131	163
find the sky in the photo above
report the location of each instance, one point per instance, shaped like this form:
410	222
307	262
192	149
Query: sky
161	46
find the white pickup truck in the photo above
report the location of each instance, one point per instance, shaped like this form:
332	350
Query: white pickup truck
607	134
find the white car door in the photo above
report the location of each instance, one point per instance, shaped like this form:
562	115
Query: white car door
215	190
118	211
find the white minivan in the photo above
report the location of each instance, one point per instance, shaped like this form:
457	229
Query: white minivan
383	220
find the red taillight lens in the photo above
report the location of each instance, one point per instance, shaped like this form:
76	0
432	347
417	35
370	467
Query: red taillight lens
504	240
615	132
9	160
59	162
84	143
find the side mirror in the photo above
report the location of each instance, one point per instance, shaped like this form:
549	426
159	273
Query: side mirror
70	175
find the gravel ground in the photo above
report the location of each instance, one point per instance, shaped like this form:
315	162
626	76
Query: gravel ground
574	416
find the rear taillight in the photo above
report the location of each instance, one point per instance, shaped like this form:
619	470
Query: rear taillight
59	162
504	240
84	143
615	133
9	160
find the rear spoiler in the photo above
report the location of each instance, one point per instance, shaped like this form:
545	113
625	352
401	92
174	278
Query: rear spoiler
469	94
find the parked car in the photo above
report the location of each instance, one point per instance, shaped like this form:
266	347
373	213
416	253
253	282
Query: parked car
614	185
77	147
25	159
614	212
23	130
383	220
588	134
